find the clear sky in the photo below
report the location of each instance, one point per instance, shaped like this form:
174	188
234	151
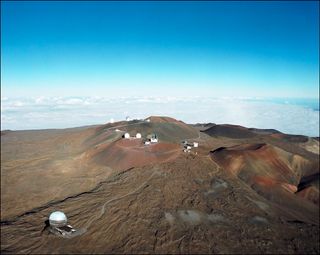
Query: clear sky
164	48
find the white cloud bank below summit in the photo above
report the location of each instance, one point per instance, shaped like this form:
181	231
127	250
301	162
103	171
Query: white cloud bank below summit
288	116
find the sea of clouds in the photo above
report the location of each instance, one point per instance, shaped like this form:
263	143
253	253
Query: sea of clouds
293	116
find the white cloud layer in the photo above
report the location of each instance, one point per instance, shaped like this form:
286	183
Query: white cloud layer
288	116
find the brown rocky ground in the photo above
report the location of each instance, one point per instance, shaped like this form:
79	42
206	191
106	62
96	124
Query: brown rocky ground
236	193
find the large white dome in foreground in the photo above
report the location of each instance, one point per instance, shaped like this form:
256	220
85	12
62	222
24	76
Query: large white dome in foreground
57	219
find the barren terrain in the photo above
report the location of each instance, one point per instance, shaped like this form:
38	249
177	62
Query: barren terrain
243	190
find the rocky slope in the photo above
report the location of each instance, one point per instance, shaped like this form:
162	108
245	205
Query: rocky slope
241	191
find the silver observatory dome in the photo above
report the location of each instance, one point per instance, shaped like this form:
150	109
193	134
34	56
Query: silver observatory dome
57	219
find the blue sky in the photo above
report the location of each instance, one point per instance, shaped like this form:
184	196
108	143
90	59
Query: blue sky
265	49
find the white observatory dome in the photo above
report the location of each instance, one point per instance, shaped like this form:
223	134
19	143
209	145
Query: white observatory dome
57	219
138	135
126	135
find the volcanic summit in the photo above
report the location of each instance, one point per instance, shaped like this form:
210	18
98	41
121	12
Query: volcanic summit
202	188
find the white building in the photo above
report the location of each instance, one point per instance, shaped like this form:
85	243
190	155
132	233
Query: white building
127	135
147	142
128	118
117	130
58	219
138	135
58	225
195	145
154	138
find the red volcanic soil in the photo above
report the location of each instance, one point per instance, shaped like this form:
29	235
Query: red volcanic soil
230	131
264	181
126	153
124	197
273	173
262	131
263	165
160	119
261	159
290	138
289	187
167	129
269	182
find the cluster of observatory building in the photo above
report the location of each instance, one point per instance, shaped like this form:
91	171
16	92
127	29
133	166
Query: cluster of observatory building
153	138
58	220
